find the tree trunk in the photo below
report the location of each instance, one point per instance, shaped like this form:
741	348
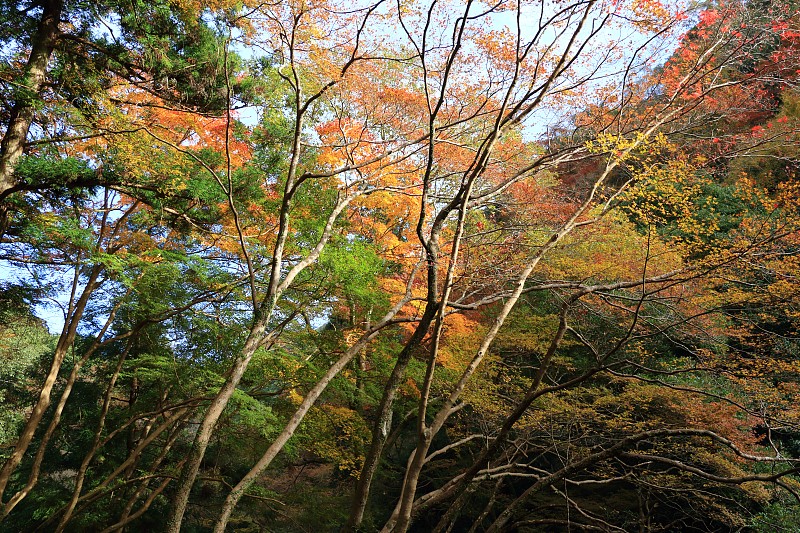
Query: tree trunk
81	476
64	343
43	43
383	421
238	491
192	466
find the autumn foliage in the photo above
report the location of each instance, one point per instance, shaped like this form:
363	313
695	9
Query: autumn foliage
427	266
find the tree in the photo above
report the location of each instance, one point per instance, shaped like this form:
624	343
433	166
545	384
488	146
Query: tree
481	274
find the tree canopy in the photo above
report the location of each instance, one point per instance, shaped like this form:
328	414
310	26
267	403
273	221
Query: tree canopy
411	266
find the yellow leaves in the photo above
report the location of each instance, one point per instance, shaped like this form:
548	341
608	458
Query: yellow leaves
339	435
767	366
652	14
460	337
294	397
527	332
610	250
622	148
488	391
669	193
758	491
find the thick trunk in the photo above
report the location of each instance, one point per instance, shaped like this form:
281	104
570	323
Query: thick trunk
143	509
294	422
33	477
262	317
81	476
145	484
170	419
403	513
401	517
43	43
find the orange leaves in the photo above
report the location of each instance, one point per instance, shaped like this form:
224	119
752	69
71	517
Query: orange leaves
652	14
708	17
498	47
344	142
460	335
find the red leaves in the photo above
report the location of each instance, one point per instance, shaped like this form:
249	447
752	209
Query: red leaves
779	26
709	17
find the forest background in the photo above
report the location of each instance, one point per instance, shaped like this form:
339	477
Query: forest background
428	265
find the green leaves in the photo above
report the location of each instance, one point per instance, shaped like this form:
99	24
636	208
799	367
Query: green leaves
57	173
354	267
184	56
24	342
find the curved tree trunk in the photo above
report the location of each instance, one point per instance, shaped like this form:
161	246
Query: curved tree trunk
43	43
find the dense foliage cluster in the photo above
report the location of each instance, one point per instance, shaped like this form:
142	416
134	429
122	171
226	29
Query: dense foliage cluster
414	266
